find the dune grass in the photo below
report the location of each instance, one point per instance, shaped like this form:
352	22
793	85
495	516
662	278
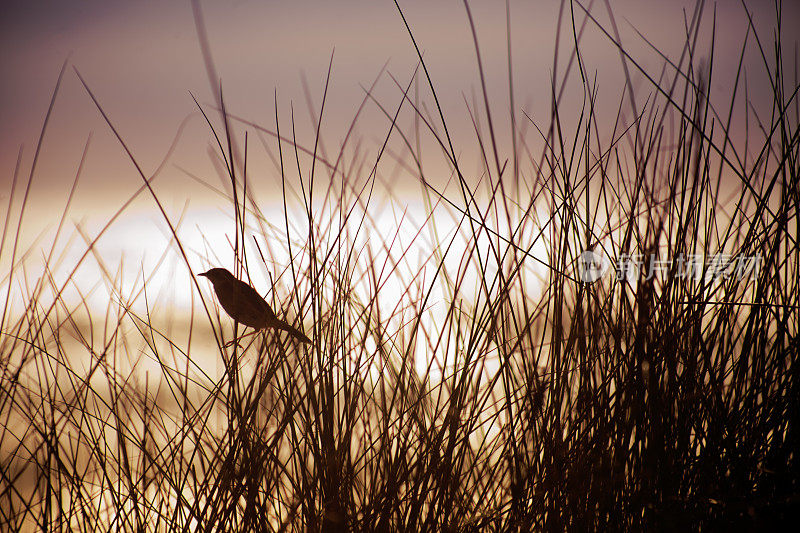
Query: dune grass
489	396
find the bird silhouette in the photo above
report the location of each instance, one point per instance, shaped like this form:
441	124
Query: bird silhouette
243	303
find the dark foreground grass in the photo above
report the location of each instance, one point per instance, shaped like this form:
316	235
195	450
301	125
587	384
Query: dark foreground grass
488	397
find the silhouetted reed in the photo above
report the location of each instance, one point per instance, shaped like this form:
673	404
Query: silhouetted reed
498	391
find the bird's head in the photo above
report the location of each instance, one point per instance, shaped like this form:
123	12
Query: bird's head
218	275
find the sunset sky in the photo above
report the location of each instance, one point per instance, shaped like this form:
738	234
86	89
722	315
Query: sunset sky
142	60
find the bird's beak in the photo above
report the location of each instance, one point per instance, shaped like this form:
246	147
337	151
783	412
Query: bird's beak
204	274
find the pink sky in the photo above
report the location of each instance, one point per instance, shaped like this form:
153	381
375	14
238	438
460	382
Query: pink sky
142	59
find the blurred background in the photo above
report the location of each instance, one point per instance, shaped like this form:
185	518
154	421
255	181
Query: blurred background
143	61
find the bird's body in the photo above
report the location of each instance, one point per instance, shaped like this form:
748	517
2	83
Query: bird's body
243	303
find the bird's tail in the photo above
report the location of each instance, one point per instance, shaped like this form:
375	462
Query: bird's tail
296	333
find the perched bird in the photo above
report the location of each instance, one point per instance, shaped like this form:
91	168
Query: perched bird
245	305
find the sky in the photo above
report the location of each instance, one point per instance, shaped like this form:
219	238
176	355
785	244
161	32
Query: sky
142	59
143	62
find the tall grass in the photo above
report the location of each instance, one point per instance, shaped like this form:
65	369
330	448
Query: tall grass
488	397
